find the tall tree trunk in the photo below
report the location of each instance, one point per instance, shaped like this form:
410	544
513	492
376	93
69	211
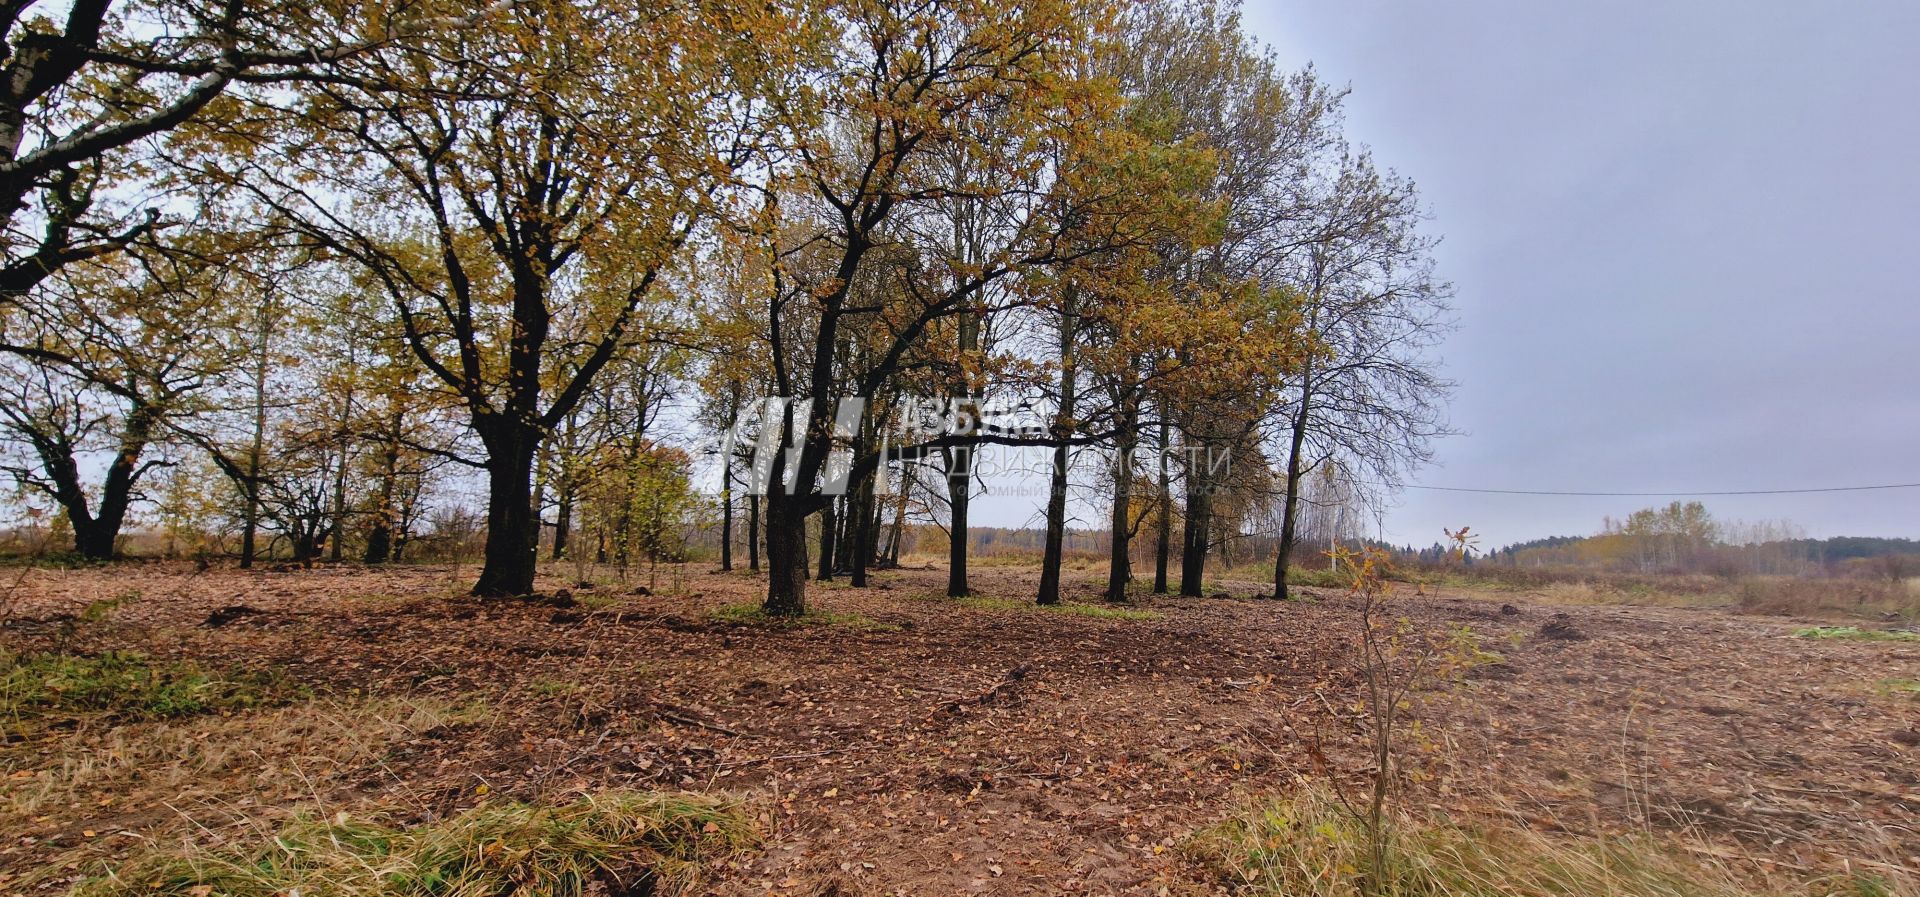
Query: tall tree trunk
1162	545
1120	561
753	533
726	520
900	501
96	530
1052	555
563	489
859	541
339	528
1063	426
861	553
786	554
827	536
1195	538
509	565
1290	505
116	492
563	517
380	546
250	520
959	494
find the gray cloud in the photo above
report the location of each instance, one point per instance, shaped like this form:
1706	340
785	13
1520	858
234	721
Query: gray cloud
1682	236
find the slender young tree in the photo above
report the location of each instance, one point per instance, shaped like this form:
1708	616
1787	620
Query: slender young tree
1369	396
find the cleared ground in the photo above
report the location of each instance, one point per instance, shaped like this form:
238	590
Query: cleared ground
905	743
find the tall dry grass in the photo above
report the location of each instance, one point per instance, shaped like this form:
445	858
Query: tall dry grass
1308	845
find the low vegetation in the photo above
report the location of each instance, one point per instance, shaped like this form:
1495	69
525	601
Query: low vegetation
756	615
1096	611
1310	846
613	842
1855	633
1907	687
222	756
127	686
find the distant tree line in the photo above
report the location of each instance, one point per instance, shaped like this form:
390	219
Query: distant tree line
380	281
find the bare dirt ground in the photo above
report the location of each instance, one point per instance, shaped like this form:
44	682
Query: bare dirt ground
963	749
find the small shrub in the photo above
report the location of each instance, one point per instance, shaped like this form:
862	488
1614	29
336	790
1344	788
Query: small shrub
619	842
129	686
1855	633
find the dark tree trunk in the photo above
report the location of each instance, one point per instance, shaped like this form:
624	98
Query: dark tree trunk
827	536
1193	550
1057	486
92	540
753	533
380	547
306	545
899	516
863	544
1290	505
379	541
1120	562
959	494
563	518
338	529
841	509
786	555
1162	546
511	533
96	530
250	526
860	536
726	516
1056	530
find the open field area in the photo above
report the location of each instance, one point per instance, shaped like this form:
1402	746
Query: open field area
901	743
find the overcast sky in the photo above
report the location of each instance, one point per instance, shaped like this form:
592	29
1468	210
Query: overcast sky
1683	237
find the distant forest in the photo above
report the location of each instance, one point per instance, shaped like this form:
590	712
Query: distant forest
1835	549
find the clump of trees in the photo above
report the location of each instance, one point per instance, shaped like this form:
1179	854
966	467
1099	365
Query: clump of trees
317	277
1685	537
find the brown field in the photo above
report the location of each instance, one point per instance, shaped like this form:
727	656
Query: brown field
907	744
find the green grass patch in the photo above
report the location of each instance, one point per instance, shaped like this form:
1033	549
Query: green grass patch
1308	846
755	615
554	688
1898	687
596	600
129	686
1855	633
101	610
618	842
1097	611
1318	578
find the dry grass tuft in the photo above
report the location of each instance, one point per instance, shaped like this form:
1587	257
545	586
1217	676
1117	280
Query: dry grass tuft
1308	846
613	842
267	750
1856	634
